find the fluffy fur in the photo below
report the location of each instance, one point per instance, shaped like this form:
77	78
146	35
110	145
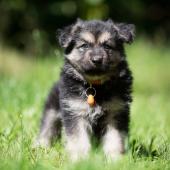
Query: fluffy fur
93	52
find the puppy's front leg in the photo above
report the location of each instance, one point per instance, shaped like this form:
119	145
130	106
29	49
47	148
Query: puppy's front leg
77	140
113	143
50	128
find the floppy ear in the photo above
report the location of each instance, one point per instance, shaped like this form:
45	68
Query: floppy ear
63	36
66	35
126	32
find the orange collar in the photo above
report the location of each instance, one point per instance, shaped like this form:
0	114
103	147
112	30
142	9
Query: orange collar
96	82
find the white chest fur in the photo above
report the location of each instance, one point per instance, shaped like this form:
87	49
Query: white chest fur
80	108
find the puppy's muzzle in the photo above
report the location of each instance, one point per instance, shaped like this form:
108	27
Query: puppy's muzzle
97	60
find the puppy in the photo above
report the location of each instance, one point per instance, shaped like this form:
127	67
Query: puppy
93	95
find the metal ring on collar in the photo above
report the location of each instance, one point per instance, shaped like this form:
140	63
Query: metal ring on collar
90	88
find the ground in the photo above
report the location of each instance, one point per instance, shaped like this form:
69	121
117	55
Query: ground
24	86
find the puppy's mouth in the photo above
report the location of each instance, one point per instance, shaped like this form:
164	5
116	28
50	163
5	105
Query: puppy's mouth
94	75
96	71
105	69
91	69
98	75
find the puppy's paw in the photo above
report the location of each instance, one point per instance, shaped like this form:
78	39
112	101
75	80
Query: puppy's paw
78	150
77	154
113	156
113	144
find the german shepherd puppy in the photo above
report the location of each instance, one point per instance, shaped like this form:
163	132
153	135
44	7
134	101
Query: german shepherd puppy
93	95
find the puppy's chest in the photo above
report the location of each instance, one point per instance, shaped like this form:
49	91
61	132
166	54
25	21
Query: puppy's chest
80	108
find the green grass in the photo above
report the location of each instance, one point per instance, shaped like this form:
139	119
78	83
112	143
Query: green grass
23	88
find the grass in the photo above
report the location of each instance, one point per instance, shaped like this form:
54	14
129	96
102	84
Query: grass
23	88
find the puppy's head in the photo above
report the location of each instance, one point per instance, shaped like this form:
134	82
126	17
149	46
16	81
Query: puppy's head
95	48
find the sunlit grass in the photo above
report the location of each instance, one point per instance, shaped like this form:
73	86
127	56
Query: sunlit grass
25	82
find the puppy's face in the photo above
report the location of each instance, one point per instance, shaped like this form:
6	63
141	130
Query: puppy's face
95	47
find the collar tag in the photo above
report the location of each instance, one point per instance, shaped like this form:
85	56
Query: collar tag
90	93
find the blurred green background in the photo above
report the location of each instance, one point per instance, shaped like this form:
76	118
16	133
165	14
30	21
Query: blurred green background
30	61
30	25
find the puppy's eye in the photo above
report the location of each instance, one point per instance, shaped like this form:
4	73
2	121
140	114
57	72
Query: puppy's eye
107	46
84	46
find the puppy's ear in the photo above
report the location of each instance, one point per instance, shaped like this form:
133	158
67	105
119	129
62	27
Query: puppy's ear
109	21
126	32
66	35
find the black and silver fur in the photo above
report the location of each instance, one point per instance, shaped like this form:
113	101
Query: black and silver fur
93	51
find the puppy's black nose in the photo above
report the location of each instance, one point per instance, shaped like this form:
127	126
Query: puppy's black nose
97	60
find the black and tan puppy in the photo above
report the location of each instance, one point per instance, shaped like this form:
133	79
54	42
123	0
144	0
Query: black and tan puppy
93	95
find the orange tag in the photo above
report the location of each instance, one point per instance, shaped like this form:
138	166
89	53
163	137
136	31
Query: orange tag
90	100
